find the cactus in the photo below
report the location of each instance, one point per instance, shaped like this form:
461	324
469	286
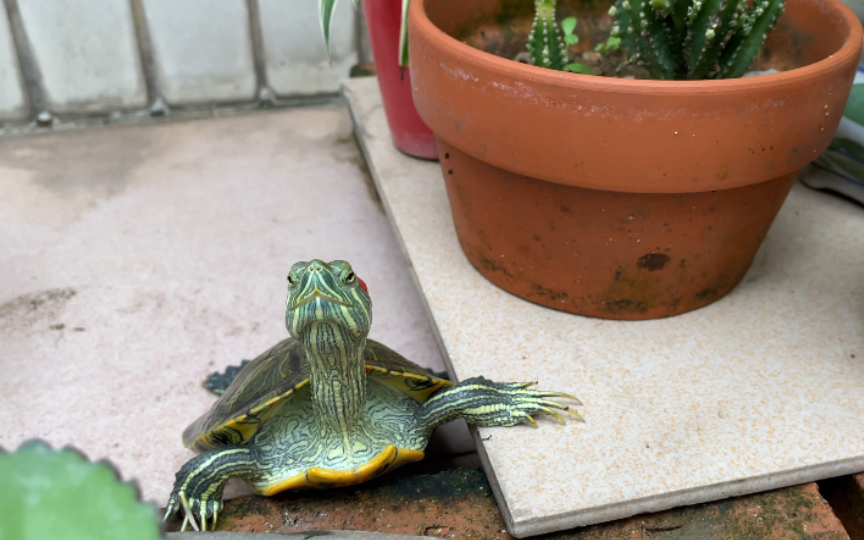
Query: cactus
545	45
694	39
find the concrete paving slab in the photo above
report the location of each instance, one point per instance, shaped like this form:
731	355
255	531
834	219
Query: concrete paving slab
757	391
136	260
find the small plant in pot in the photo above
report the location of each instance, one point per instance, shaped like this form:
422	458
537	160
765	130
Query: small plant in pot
626	198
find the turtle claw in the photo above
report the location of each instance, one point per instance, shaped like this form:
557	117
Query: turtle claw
561	395
200	515
554	413
533	402
530	420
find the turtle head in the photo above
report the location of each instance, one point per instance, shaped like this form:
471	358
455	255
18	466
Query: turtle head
329	293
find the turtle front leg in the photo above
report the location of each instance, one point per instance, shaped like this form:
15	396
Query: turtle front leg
200	482
485	403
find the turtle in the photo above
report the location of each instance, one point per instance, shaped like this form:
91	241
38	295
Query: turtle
328	407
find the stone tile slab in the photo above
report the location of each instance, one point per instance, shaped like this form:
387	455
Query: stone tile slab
136	260
202	50
296	58
760	390
13	101
86	53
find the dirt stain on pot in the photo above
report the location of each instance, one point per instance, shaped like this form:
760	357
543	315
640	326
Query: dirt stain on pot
652	261
540	290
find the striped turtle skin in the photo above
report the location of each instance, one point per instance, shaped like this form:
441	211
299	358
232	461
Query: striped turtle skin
328	407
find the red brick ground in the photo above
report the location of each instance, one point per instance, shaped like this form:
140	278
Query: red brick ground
846	495
459	504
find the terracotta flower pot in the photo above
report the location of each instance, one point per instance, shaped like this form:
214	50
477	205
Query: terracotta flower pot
616	198
410	134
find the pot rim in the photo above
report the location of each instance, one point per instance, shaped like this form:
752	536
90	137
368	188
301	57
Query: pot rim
850	48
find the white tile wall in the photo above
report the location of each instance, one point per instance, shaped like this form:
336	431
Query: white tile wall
86	53
87	57
203	50
296	58
13	102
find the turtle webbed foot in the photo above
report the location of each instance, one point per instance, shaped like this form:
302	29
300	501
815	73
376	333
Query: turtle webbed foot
200	513
520	403
199	484
486	403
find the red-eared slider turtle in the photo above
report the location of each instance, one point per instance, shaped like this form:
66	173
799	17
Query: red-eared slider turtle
328	407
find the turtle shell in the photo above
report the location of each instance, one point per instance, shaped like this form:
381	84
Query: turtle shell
263	384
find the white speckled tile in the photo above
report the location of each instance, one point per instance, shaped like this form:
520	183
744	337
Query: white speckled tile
760	390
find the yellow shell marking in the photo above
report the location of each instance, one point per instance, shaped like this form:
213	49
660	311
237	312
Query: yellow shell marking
389	458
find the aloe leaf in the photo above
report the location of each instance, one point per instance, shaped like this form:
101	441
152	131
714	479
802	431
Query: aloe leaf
403	35
59	494
325	9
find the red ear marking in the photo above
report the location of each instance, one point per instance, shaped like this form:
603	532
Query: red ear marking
363	284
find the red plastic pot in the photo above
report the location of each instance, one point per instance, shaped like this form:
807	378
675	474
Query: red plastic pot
410	134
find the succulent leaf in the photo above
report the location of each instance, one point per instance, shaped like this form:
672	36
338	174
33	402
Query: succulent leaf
59	494
325	8
403	34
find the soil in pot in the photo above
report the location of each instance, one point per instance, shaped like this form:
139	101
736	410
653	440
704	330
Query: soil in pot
615	198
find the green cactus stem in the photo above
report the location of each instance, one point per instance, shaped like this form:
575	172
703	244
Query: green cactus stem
694	39
545	45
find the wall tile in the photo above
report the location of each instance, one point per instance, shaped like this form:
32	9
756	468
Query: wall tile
202	49
296	59
13	100
87	54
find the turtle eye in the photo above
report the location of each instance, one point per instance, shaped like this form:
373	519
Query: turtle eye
349	277
291	281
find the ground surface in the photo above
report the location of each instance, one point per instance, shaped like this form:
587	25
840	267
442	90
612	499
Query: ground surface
136	260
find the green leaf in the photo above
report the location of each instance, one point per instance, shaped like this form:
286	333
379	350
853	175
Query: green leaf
568	25
325	9
570	39
59	494
612	44
578	67
403	35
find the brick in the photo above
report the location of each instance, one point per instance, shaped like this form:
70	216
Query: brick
202	50
13	100
846	496
87	54
459	504
296	59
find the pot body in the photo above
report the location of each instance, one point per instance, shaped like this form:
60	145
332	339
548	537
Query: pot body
616	198
410	134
